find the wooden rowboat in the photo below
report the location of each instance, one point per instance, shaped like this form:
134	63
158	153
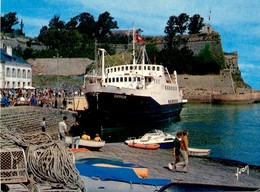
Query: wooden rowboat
199	152
90	144
151	146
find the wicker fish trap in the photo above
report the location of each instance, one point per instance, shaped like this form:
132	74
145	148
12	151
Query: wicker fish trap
13	166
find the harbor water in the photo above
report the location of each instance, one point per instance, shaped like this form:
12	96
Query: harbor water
232	132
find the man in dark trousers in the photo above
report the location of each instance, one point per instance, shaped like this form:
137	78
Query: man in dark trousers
176	149
75	131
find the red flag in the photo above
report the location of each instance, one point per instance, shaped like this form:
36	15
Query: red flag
139	39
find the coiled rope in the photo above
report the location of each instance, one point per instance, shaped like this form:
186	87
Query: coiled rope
48	160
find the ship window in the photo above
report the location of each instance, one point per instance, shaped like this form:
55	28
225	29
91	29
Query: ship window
140	67
158	68
135	68
121	79
114	69
117	79
134	79
122	68
130	79
105	80
109	80
107	70
125	79
118	68
153	68
111	70
126	68
131	67
144	67
138	79
149	68
113	79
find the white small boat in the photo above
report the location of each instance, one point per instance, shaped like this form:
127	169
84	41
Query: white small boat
199	152
154	137
90	144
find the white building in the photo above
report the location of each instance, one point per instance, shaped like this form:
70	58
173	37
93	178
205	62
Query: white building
14	72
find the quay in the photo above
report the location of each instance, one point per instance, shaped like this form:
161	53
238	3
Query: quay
200	170
27	119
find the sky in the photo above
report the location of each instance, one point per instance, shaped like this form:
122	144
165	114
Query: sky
237	21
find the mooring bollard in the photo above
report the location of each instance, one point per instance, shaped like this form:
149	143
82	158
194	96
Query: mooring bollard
243	169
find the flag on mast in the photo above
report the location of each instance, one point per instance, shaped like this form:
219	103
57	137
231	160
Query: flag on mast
139	39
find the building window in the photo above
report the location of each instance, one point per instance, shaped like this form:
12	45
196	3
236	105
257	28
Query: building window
29	75
7	84
23	84
19	73
29	84
24	73
8	72
13	72
19	84
13	84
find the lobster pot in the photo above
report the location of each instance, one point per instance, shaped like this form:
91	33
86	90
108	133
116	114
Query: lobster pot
13	166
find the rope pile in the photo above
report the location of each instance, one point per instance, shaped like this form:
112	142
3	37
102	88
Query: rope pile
47	160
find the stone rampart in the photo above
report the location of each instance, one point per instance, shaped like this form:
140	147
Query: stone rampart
62	66
201	87
28	118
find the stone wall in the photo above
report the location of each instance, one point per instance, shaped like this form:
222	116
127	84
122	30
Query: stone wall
231	60
64	66
199	88
28	118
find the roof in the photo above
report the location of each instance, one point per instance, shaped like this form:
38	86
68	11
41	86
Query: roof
13	58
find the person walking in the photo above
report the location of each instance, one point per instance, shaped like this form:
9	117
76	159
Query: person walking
43	124
64	103
184	152
75	132
176	149
63	129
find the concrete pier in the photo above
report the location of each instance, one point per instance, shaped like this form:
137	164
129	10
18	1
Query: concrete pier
200	170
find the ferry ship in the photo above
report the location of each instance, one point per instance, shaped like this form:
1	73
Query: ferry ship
136	92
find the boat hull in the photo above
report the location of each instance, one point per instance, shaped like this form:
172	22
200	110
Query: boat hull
150	146
127	109
163	145
199	152
90	144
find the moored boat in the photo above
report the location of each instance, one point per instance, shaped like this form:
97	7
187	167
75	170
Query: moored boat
90	144
150	146
136	92
199	152
154	137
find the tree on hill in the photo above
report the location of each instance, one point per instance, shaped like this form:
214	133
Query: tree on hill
182	23
196	24
171	29
104	24
8	21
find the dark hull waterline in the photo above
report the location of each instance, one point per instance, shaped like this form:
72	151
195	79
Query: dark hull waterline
125	109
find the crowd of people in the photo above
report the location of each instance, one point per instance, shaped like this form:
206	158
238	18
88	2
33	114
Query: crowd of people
36	97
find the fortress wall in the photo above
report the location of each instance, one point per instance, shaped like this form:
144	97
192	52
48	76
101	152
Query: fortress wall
66	66
201	87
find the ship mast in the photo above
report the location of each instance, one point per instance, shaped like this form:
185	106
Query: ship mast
134	43
103	64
